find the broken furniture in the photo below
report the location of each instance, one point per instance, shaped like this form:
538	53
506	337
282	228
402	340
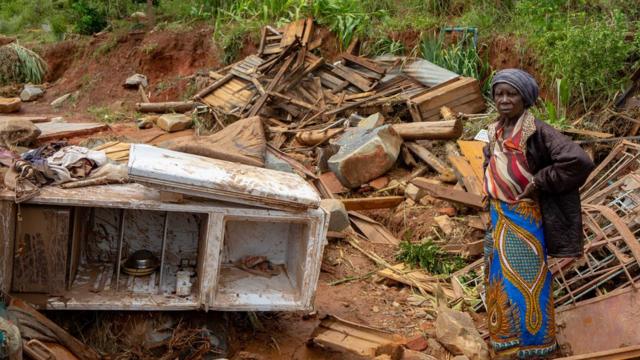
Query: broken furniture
66	248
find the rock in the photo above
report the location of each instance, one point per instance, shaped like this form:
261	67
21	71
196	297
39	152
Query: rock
365	154
417	343
416	355
414	193
58	119
275	163
136	80
9	105
31	93
371	122
379	183
144	123
59	101
445	224
174	122
338	216
436	349
457	332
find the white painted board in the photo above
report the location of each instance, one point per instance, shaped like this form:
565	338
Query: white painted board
220	180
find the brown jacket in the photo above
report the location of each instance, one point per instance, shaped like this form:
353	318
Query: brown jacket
560	167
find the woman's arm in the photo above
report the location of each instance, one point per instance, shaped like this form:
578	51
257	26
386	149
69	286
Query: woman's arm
570	164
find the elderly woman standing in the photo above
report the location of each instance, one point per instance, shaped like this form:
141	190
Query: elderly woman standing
532	177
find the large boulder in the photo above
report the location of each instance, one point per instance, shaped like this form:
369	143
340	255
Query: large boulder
365	154
457	332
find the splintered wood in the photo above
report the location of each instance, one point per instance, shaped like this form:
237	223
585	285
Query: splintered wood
342	335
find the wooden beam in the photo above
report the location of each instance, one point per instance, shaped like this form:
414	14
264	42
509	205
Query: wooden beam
365	63
385	202
166	107
429	130
449	193
446	173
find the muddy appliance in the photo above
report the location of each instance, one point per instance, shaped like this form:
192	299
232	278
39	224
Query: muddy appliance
185	236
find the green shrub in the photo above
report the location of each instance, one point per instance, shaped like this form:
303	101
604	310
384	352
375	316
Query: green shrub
460	57
88	18
20	65
430	257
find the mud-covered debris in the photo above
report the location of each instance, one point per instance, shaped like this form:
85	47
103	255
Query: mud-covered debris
9	105
174	122
457	332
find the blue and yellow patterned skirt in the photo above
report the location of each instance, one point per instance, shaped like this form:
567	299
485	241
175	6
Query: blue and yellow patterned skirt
520	307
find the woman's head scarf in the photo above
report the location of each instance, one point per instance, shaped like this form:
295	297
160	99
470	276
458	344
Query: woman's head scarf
521	81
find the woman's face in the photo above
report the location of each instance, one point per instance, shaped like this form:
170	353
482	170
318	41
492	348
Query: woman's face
508	101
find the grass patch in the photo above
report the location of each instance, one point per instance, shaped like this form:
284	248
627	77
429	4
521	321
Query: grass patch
430	257
106	115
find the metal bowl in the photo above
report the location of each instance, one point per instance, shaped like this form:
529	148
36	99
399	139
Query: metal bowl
142	260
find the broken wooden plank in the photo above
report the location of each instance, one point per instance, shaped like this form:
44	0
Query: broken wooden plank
52	131
341	335
166	107
293	101
449	193
352	77
429	130
308	32
446	173
331	182
293	31
207	90
370	203
461	95
365	63
473	152
466	173
274	82
590	133
372	230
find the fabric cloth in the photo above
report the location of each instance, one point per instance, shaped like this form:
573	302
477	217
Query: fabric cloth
520	308
521	81
560	167
73	162
507	174
241	142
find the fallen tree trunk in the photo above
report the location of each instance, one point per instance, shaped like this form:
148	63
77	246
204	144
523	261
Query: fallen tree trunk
430	130
166	107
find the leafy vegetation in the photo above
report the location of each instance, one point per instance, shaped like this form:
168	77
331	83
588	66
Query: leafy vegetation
19	64
430	257
590	46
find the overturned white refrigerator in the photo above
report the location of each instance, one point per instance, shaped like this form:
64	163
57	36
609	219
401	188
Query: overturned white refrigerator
191	233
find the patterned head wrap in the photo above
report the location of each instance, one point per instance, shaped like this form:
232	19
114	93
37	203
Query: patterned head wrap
521	81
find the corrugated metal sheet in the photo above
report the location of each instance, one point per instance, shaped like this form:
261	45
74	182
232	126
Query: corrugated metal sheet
220	180
425	72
